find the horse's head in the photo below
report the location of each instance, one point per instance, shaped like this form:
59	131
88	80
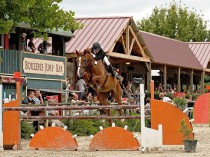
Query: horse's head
83	61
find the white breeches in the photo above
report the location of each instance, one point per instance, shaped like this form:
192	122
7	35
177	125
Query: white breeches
106	61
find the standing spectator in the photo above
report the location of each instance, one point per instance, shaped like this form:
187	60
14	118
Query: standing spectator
43	47
23	42
81	85
38	97
31	45
30	100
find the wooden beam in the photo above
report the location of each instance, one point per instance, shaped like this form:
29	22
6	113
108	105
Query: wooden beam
137	41
131	46
202	82
179	80
165	77
127	40
207	70
191	82
149	77
128	57
123	43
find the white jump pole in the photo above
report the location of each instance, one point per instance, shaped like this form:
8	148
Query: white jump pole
1	119
142	95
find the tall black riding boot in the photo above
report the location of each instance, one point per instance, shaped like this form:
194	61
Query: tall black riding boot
111	70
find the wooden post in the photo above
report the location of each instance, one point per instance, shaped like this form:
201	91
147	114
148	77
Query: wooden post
127	41
74	72
6	41
165	77
149	77
179	80
46	114
191	82
202	82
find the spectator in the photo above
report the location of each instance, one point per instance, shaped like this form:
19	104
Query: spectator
23	42
38	97
43	47
95	99
165	98
31	45
81	85
30	100
90	97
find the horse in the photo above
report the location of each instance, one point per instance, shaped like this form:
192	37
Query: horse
95	75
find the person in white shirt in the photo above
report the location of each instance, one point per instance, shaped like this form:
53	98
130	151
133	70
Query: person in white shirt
81	85
165	98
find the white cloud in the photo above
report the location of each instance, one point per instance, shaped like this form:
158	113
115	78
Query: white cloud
136	8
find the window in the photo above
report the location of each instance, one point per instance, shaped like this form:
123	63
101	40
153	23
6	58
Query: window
1	41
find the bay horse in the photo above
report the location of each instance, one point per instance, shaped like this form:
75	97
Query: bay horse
95	75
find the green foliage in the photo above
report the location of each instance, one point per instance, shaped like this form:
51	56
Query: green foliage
42	15
180	101
170	95
84	127
26	129
185	130
91	127
176	22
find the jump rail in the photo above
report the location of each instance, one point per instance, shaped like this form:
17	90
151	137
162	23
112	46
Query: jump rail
40	108
80	117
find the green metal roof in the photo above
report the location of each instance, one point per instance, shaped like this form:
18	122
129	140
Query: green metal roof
59	32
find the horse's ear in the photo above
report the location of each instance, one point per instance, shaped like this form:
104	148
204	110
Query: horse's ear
77	53
85	51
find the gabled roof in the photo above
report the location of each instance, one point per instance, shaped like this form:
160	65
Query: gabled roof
201	51
169	51
104	30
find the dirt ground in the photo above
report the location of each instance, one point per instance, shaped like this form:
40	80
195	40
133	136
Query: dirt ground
203	149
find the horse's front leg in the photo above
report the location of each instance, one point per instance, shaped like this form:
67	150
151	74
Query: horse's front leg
86	78
97	81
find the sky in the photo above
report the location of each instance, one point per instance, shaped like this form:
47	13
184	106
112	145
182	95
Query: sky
137	8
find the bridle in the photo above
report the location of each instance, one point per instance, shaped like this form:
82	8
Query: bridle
87	62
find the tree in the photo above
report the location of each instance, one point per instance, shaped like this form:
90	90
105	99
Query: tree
42	15
177	22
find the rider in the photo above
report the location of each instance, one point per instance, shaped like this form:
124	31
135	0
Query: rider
98	54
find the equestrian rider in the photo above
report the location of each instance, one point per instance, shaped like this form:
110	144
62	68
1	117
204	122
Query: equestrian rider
98	54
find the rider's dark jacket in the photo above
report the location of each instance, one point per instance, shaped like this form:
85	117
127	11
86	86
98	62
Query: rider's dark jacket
100	55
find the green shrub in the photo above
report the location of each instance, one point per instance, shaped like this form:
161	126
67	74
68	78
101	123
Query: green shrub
180	101
91	127
26	129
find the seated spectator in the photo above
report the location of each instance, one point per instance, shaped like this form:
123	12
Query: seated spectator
31	45
95	99
90	97
165	98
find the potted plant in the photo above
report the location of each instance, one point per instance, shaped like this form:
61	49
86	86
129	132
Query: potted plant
189	142
180	103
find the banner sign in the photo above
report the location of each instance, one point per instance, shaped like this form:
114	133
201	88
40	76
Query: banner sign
46	67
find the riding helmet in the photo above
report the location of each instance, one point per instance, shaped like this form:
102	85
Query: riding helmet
96	45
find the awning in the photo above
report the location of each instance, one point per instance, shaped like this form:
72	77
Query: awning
59	32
